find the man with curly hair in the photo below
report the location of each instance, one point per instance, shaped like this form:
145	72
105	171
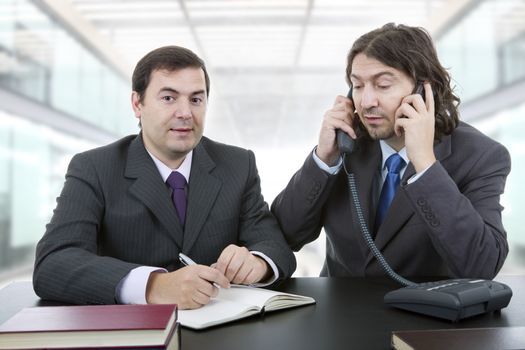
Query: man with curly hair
429	185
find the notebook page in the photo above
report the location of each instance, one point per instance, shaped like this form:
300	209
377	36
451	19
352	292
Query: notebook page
261	297
215	312
247	295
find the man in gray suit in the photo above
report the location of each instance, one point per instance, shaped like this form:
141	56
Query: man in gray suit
118	228
429	185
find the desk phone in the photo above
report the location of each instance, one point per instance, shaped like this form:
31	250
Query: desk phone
452	299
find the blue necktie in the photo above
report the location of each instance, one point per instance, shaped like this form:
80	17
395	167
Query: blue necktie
394	164
177	182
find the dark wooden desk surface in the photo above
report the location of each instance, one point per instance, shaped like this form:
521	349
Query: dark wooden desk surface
349	314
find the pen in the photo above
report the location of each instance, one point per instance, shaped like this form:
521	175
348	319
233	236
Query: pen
186	260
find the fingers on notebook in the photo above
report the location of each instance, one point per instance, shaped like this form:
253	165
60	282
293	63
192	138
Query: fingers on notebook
240	266
231	260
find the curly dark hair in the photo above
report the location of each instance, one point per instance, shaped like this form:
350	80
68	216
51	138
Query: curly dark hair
411	50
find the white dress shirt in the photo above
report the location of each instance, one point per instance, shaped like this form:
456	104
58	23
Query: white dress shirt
386	152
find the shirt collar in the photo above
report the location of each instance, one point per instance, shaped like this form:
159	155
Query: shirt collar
165	171
387	151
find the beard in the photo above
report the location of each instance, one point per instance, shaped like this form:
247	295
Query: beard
378	132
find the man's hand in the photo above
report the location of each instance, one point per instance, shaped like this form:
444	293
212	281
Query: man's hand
416	120
189	287
240	266
339	117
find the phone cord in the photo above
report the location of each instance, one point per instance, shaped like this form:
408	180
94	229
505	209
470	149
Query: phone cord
368	238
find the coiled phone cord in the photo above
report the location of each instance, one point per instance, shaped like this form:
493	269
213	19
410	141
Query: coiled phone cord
366	234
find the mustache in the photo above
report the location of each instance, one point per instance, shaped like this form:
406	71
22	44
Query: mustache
374	111
182	124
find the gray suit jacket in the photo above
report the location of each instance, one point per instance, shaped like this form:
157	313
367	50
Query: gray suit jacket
447	223
115	213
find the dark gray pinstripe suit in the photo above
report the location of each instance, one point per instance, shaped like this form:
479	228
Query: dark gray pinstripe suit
115	213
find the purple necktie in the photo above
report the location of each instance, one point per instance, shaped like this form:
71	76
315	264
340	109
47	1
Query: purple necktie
178	183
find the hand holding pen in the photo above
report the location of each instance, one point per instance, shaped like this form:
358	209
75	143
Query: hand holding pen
187	261
190	287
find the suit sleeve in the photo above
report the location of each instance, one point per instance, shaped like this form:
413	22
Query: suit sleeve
67	267
258	229
464	219
299	207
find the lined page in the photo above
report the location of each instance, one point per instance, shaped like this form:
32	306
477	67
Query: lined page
215	312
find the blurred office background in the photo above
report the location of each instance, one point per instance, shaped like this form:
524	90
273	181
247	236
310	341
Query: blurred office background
275	66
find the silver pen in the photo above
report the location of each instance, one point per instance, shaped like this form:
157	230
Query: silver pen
186	260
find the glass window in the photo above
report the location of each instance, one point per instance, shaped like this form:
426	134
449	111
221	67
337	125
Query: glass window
513	57
7	24
5	193
65	81
33	161
91	106
41	60
485	50
508	127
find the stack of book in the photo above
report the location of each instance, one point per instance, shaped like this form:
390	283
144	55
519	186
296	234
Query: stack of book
101	326
460	339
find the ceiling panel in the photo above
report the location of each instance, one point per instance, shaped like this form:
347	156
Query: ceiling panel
274	64
241	46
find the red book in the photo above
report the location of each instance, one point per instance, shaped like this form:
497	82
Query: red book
101	326
460	339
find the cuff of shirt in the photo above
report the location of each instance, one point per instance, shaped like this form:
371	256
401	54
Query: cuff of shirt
332	170
132	288
272	265
414	177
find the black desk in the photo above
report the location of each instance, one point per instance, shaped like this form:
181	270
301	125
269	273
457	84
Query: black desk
349	314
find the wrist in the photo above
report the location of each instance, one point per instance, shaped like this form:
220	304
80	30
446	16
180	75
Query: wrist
151	287
330	159
423	164
265	269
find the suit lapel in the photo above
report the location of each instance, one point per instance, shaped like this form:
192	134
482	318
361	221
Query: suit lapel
395	220
150	189
203	190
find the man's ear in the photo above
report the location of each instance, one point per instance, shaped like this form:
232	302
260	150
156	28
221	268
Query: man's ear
136	104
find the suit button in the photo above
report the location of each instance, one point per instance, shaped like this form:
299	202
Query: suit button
421	201
425	209
434	223
430	216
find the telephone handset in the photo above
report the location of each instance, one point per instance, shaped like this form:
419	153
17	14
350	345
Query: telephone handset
344	142
420	89
453	299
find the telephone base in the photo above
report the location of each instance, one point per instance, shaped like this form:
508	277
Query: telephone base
453	299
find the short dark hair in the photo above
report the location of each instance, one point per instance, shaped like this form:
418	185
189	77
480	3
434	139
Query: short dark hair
411	50
171	58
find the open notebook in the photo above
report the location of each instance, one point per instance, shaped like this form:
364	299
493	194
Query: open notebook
238	302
